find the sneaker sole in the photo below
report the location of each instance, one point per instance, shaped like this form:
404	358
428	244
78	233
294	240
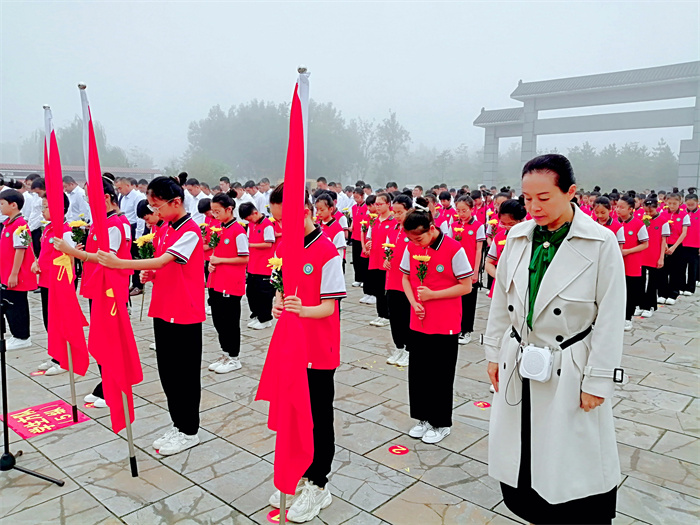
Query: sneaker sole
220	371
311	515
160	451
435	442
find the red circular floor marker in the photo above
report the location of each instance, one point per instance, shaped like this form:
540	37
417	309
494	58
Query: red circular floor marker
482	404
274	516
89	405
398	450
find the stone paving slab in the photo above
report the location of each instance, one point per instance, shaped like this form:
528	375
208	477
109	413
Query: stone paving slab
228	477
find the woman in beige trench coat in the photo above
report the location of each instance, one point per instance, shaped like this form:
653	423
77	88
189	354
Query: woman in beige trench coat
560	284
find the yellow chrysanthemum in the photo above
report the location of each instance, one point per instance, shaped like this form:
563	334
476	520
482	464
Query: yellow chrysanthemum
215	229
346	209
20	229
489	213
363	222
388	245
272	219
422	258
493	222
502	243
77	224
275	263
144	239
374	215
203	225
459	230
647	217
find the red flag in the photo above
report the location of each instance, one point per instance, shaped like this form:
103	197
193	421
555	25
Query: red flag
284	382
66	319
111	339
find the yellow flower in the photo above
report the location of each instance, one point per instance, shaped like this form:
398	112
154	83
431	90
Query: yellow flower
373	215
241	223
493	222
203	225
215	229
346	209
388	245
670	222
502	243
77	224
363	222
144	239
275	263
459	230
422	258
81	215
20	229
272	219
489	213
647	217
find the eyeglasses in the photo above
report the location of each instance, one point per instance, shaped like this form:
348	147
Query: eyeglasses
156	209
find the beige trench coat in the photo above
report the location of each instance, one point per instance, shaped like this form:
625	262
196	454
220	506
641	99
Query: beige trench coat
574	453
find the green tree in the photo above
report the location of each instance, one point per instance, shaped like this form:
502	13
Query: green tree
392	139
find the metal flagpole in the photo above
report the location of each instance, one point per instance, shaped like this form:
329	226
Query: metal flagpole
130	438
72	384
143	297
283	508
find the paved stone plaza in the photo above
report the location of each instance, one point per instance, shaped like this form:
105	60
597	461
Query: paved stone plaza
228	478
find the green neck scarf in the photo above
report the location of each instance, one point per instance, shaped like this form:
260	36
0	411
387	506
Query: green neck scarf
545	244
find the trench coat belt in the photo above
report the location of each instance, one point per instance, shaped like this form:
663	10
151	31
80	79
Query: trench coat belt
566	344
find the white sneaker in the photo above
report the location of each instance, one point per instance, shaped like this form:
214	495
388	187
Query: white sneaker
170	434
207	310
260	326
16	344
365	299
231	364
661	300
492	389
178	443
465	339
100	403
252	322
152	346
309	503
435	435
637	311
403	360
646	313
371	299
276	495
686	292
395	356
356	284
628	326
55	370
668	301
419	430
45	366
216	364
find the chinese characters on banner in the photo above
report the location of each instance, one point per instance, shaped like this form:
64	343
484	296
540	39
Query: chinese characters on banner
44	418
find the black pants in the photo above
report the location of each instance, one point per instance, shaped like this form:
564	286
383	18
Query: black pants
691	259
377	287
179	358
17	312
469	310
226	316
399	317
635	290
431	377
36	242
673	280
45	311
136	277
321	392
652	278
359	263
260	294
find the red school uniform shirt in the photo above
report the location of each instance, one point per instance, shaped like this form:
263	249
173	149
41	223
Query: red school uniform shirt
9	242
448	265
322	278
394	276
495	251
48	253
230	278
178	287
676	222
657	229
611	224
480	214
119	244
341	218
692	239
209	223
632	233
446	217
471	234
334	231
378	234
259	232
359	214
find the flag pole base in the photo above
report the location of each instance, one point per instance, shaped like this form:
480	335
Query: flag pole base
134	467
283	508
75	414
130	438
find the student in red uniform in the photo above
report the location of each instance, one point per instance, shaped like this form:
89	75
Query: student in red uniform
177	308
448	214
653	257
511	212
330	225
15	268
204	208
634	239
359	214
226	282
433	287
493	228
479	210
470	234
602	210
376	236
42	266
673	280
371	203
397	302
261	240
321	287
691	245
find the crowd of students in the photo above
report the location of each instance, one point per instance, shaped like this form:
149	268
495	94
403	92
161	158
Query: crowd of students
419	256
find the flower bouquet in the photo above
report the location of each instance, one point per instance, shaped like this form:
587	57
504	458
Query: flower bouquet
276	278
388	251
79	231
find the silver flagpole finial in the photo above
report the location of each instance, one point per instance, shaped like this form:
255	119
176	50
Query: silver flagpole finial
82	85
46	106
302	69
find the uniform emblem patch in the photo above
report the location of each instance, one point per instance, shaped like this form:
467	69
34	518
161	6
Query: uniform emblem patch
440	268
308	269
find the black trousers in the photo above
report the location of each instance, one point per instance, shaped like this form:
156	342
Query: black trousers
17	312
226	316
36	242
691	258
469	310
260	294
136	277
635	290
674	279
431	377
359	263
377	287
45	311
322	393
652	278
399	317
179	358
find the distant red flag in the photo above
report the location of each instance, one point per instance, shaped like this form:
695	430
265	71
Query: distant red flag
111	339
66	319
284	382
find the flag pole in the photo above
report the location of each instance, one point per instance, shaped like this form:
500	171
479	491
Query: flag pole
130	438
72	384
283	508
143	298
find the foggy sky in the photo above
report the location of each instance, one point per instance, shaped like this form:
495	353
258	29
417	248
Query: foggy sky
153	67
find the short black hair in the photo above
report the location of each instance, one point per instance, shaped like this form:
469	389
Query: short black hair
225	179
67	179
445	196
558	164
204	205
32	176
392	185
192	182
250	184
276	195
39	184
13	196
143	181
142	209
321	179
246	210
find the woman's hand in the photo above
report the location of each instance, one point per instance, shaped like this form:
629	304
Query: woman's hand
292	304
669	251
368	245
589	402
211	267
660	264
214	260
60	244
13	280
419	309
387	264
147	276
108	259
425	293
625	252
492	370
35	268
475	278
277	309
